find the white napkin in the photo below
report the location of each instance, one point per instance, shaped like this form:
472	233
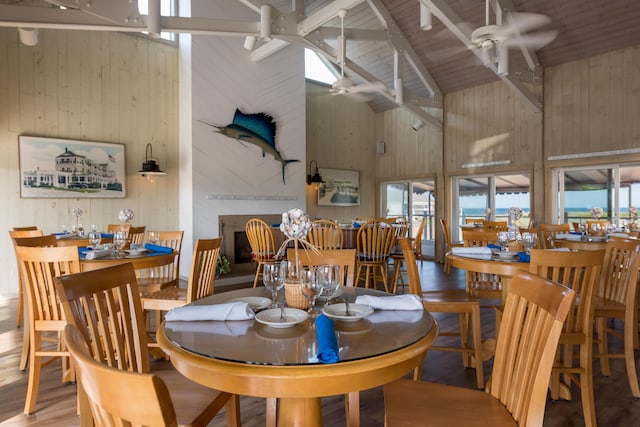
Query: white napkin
620	234
568	236
232	329
227	311
559	249
479	252
395	302
97	253
382	316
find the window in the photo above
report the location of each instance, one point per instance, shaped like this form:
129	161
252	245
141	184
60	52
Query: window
316	68
614	188
167	8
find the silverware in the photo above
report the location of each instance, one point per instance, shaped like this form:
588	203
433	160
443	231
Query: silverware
283	318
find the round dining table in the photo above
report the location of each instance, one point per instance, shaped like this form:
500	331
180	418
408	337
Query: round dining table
581	245
253	359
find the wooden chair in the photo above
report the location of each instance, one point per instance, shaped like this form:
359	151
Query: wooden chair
374	242
447	244
579	271
263	248
417	240
104	305
450	301
201	280
548	233
27	228
112	228
495	225
401	226
482	285
38	267
325	234
111	391
477	221
616	299
345	258
154	279
600	223
516	395
15	233
136	235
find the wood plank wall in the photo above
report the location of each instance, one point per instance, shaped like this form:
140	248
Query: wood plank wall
98	86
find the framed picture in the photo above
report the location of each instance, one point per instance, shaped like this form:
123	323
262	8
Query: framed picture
340	187
67	168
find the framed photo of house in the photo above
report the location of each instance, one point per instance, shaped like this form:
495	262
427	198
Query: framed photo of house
341	187
67	168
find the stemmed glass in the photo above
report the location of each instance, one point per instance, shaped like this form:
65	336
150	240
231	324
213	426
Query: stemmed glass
310	287
119	240
503	240
529	241
328	277
95	238
273	278
153	237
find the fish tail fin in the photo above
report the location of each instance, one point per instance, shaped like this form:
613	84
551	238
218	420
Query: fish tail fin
285	163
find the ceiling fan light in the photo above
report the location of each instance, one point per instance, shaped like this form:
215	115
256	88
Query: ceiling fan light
426	18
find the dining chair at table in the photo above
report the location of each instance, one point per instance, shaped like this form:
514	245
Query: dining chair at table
136	235
156	278
111	391
325	234
374	242
114	228
616	300
39	266
482	285
448	244
476	221
201	281
263	248
516	395
26	228
15	233
580	271
401	225
104	305
495	226
457	301
416	241
548	233
344	258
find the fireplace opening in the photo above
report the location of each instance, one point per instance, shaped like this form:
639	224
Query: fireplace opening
241	248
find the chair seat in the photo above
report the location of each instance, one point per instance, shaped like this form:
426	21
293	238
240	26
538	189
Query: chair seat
608	308
441	405
147	285
189	398
165	299
448	296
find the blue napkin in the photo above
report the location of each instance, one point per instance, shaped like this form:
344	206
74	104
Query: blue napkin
82	250
157	248
275	225
524	257
579	233
106	235
59	234
493	246
356	225
327	341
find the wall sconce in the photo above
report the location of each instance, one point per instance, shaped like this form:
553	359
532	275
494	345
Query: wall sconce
28	36
417	125
315	178
150	167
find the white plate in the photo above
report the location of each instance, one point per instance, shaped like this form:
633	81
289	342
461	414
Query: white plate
136	251
506	255
271	317
339	312
256	303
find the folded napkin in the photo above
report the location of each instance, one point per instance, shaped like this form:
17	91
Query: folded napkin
395	302
97	253
228	311
397	316
493	246
479	252
103	235
158	248
524	257
568	236
231	329
328	351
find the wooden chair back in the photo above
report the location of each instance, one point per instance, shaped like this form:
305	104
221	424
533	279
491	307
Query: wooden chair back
417	239
111	391
203	268
168	274
136	235
27	228
37	241
619	258
261	240
345	258
532	230
112	228
401	226
478	238
534	314
548	233
374	240
104	305
477	221
413	275
495	225
326	234
600	223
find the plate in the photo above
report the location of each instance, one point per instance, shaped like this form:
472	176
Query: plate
256	303
271	317
138	252
597	238
506	255
338	312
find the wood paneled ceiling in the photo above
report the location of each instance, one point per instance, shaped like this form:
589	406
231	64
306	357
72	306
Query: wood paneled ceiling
384	41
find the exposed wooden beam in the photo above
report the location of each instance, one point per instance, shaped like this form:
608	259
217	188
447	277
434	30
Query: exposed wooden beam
324	15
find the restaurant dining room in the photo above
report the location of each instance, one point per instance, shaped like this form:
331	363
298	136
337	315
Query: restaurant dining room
315	212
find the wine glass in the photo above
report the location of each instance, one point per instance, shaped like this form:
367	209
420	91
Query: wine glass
310	287
528	241
328	276
153	237
119	240
503	240
95	238
273	278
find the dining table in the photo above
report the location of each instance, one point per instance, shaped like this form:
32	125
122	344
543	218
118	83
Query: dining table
249	358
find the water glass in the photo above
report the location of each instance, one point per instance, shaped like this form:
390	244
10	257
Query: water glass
529	241
503	240
119	240
153	237
328	276
273	278
95	237
310	287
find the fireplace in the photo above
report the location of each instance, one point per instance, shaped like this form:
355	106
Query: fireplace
235	245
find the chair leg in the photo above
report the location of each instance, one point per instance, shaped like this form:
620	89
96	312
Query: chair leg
629	357
34	375
232	411
603	346
271	412
20	311
586	384
476	332
383	273
257	276
24	357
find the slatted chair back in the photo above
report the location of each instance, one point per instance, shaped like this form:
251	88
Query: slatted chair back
472	238
136	235
27	228
111	391
326	234
165	275
495	225
482	285
548	233
476	221
417	239
374	242
262	244
37	241
447	243
345	258
114	228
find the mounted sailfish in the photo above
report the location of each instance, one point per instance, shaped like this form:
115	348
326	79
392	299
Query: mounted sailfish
258	129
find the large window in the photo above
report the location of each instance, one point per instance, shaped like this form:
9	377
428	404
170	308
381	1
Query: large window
489	197
614	188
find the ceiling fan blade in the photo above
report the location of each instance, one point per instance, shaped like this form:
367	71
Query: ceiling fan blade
534	41
521	22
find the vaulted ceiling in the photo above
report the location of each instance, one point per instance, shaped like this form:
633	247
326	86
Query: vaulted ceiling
385	46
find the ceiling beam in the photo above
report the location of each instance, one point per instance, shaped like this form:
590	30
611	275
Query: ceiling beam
324	15
452	21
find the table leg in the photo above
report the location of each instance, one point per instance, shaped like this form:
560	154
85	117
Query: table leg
300	412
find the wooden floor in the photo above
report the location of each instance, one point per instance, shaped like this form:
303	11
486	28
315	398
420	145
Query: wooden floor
56	404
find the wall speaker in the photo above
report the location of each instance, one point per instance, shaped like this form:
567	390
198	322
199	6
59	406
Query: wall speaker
380	148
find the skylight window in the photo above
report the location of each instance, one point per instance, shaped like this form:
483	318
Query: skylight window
315	68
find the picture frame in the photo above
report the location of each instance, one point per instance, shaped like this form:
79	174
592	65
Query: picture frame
341	187
68	168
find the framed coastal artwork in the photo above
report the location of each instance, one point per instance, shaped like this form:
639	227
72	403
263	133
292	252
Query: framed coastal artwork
67	168
341	187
